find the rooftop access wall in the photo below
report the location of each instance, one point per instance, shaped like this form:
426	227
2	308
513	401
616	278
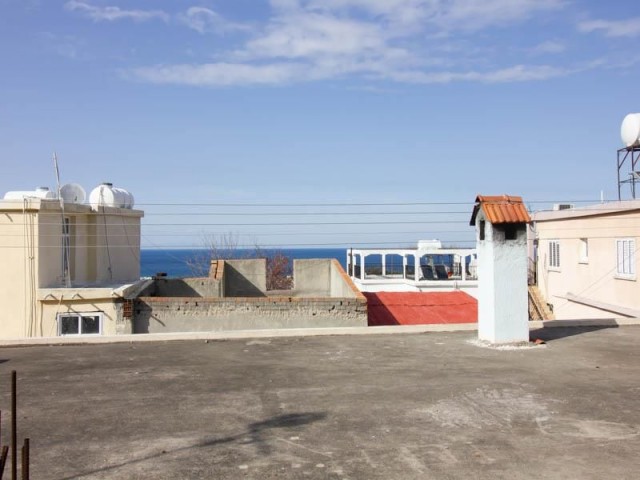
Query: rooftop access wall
323	296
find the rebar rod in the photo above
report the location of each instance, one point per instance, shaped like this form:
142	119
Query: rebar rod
14	428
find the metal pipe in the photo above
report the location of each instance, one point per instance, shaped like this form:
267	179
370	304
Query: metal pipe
25	460
14	428
619	192
3	459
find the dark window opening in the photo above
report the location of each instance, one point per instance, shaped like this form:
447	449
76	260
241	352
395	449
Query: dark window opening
69	325
91	325
482	222
79	324
510	232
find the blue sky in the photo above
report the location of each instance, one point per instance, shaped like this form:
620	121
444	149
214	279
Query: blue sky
309	101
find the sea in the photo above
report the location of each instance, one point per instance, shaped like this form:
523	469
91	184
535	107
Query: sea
194	262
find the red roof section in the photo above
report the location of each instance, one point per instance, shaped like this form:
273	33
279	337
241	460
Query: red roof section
501	209
420	308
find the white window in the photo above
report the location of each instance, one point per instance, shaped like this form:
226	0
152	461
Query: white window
626	257
80	323
554	255
584	251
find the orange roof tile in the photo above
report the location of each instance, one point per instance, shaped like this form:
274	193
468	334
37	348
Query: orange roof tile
501	209
420	308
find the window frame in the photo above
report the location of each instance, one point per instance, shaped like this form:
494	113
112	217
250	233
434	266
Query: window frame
628	262
79	316
554	263
583	250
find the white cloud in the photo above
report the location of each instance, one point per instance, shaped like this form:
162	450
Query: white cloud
310	34
229	74
470	15
205	20
394	40
517	73
110	14
220	74
549	46
479	14
612	28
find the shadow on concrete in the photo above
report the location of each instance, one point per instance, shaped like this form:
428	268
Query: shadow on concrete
256	430
142	321
257	433
377	312
174	287
550	334
236	284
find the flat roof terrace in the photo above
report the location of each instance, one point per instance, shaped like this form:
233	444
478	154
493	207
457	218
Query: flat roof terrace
405	406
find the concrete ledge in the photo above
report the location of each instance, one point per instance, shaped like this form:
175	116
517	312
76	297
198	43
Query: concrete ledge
304	332
239	334
588	322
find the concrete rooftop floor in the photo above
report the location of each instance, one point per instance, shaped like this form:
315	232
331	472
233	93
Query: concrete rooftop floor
414	406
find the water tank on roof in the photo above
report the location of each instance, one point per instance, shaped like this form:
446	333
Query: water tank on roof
630	130
72	193
40	192
106	195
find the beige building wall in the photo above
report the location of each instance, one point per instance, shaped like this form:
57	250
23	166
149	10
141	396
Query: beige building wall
18	264
592	277
104	252
111	312
104	245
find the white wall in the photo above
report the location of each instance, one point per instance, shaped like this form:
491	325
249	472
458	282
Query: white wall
502	289
595	279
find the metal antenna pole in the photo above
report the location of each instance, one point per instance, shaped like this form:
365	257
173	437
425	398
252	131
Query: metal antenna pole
66	273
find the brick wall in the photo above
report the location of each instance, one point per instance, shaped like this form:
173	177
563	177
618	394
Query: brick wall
168	314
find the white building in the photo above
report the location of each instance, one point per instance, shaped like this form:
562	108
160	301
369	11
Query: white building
428	267
67	271
587	260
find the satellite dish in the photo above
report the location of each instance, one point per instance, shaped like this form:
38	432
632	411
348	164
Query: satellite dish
73	193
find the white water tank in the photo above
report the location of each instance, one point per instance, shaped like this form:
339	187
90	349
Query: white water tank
106	195
40	192
630	130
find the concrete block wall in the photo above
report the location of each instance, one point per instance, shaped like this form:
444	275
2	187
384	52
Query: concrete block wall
167	314
245	278
324	296
312	278
322	278
184	287
124	318
341	283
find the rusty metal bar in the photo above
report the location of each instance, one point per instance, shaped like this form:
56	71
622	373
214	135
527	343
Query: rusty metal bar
14	428
3	459
25	460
